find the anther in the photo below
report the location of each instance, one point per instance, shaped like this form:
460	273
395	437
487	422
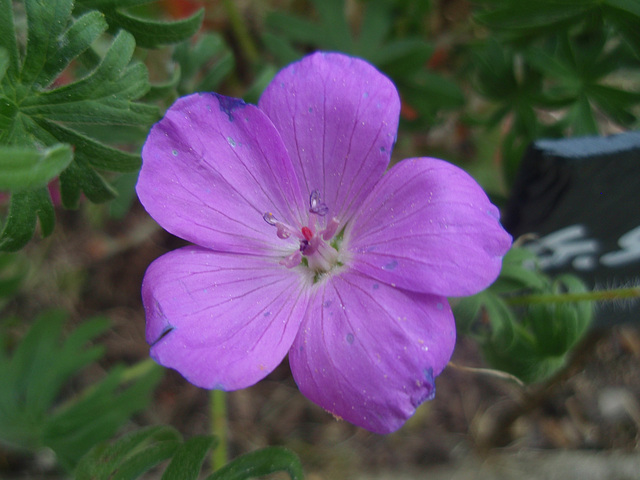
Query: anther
332	228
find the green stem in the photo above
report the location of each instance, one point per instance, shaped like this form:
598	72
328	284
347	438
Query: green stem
219	426
596	295
240	30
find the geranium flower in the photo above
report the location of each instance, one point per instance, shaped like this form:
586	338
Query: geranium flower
304	245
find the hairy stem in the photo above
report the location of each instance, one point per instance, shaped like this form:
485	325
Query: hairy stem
596	295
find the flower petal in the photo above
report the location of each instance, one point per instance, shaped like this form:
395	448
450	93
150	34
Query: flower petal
223	321
338	117
369	353
428	227
211	168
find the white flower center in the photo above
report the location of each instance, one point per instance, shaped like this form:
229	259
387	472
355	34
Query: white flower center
316	251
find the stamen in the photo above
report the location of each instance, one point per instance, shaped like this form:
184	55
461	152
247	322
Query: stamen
316	205
332	228
292	260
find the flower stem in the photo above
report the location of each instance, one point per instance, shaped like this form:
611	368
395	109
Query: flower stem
616	294
218	400
240	30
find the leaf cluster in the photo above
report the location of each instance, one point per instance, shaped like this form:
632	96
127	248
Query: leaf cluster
531	342
403	58
557	67
38	407
139	452
52	128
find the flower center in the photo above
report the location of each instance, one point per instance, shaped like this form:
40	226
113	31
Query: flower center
316	251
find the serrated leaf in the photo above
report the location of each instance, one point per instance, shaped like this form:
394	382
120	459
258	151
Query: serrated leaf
8	35
188	459
24	211
47	21
36	114
95	153
76	40
260	463
28	168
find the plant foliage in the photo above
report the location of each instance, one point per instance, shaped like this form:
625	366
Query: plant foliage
531	343
36	407
48	124
138	452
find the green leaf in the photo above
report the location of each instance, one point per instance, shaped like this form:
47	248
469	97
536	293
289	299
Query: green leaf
332	13
4	62
188	459
402	58
75	41
259	463
376	24
47	21
24	211
8	36
129	456
627	6
80	177
28	168
152	34
204	65
264	77
295	29
99	411
519	272
33	375
13	271
35	414
533	15
148	33
36	114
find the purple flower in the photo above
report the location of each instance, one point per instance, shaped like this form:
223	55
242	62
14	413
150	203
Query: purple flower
304	245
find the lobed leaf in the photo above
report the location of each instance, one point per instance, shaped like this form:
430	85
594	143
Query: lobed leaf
25	209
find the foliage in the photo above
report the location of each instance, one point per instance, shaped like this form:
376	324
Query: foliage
140	451
569	59
533	342
403	59
49	127
36	408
